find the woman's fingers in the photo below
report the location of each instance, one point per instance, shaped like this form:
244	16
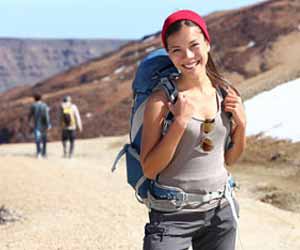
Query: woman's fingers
182	108
233	104
233	110
232	99
171	107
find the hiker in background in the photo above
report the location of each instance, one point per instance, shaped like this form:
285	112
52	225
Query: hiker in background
192	154
70	120
39	112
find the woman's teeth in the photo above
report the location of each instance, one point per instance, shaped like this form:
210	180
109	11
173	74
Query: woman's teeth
190	65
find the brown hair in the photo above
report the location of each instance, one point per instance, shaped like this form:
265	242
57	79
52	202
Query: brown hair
37	96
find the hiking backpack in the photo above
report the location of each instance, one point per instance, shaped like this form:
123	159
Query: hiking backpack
68	116
156	71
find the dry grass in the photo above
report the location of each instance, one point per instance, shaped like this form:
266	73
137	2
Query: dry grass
270	152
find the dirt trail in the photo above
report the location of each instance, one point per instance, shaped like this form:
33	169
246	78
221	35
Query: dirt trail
77	204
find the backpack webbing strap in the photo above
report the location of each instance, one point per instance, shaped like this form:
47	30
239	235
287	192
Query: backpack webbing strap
168	87
119	156
229	197
137	187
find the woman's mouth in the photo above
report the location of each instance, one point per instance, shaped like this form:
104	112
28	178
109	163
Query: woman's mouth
191	65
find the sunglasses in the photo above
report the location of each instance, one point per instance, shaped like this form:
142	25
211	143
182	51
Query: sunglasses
206	143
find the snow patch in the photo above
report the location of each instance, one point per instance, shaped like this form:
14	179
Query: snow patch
149	49
251	44
88	115
129	69
148	39
106	79
119	70
275	113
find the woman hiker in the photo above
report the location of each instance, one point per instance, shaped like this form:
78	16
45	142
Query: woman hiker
193	154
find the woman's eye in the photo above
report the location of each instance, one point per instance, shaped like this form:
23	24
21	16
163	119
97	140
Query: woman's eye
195	44
175	50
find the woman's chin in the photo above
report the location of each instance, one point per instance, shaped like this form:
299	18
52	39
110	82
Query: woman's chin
192	72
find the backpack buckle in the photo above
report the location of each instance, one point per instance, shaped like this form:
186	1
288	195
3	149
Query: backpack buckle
169	87
181	196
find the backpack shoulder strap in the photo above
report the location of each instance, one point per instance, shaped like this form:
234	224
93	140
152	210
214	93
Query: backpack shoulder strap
229	142
168	86
223	92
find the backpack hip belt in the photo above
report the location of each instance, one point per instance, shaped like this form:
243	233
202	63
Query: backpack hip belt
171	199
164	198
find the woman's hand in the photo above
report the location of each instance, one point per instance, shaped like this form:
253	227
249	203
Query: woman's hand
182	110
233	104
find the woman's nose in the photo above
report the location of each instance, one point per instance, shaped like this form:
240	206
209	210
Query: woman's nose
189	53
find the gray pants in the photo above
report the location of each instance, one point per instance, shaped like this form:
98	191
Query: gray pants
211	230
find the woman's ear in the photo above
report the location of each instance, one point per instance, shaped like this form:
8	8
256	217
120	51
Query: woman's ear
208	45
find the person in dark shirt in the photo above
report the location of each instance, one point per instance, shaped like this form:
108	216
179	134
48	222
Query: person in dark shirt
39	113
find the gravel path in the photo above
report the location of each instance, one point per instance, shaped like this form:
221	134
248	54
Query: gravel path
78	204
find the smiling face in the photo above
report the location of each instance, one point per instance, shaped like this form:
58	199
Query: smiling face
188	49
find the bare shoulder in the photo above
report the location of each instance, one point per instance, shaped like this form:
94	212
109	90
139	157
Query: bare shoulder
158	97
157	101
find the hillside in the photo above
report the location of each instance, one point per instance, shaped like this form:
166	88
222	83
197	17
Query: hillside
28	61
254	47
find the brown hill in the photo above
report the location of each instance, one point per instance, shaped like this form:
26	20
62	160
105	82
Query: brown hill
27	61
255	47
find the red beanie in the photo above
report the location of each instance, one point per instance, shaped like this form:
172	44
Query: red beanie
184	15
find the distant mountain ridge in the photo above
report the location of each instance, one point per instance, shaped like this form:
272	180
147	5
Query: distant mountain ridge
28	61
255	47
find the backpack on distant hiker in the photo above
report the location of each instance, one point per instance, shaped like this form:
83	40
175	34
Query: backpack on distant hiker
68	116
156	71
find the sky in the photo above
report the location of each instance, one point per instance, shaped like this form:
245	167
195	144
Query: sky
118	19
275	112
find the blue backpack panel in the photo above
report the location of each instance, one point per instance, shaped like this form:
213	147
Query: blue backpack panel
156	71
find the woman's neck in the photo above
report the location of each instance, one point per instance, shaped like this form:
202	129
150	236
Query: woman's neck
201	83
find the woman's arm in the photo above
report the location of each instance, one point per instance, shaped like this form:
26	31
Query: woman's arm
238	137
233	103
158	151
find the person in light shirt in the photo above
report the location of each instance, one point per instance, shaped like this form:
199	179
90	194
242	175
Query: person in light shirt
70	121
